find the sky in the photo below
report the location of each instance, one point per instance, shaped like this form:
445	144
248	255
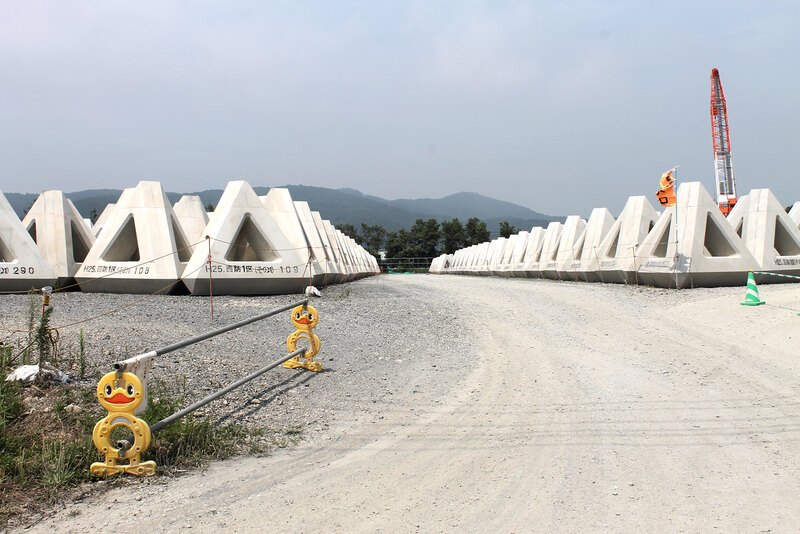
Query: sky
560	106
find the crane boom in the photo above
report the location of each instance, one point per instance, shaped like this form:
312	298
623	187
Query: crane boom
720	133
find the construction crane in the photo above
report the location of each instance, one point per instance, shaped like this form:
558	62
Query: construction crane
723	165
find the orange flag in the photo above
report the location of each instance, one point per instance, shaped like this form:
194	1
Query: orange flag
666	191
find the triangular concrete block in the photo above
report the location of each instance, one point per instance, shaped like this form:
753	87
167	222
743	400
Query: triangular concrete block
357	253
192	215
441	264
97	227
23	265
367	260
533	251
692	245
344	254
496	249
482	261
570	248
280	207
794	213
351	253
329	271
617	251
141	249
517	256
503	265
250	255
336	275
597	227
478	259
768	232
471	260
344	265
548	266
459	259
61	234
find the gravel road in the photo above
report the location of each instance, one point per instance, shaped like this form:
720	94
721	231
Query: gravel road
482	404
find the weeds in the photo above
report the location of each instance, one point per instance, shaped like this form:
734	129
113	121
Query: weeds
46	429
5	356
31	316
43	337
46	439
81	355
192	440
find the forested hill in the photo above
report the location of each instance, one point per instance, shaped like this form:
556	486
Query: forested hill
345	206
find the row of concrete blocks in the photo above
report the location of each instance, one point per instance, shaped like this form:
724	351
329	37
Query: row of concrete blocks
249	245
690	244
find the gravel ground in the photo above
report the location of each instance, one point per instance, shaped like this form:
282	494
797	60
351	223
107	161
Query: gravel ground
552	407
376	346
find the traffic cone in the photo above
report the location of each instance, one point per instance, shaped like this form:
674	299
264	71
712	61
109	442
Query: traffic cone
752	298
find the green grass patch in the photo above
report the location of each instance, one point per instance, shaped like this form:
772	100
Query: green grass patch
46	439
193	440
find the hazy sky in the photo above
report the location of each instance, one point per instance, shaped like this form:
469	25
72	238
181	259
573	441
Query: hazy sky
560	106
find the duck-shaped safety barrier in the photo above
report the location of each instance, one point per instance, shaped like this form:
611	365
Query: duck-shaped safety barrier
121	393
304	318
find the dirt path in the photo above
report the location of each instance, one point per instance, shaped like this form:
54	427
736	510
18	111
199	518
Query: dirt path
590	408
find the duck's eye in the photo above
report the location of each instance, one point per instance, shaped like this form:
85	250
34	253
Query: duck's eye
310	317
131	391
298	315
108	389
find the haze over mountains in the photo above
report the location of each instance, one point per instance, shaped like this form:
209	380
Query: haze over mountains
343	206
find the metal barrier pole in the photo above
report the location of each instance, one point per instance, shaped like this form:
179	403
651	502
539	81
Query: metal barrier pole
121	366
177	415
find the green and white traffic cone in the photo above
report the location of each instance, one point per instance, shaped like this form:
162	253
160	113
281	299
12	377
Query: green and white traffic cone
752	298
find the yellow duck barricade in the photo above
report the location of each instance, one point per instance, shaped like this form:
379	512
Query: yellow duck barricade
304	318
120	393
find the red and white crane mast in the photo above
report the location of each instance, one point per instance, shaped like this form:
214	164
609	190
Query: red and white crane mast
723	165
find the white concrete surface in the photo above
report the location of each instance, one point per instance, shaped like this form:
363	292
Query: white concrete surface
22	264
60	233
692	245
142	248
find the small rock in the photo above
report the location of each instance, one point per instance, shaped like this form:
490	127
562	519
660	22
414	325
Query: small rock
73	408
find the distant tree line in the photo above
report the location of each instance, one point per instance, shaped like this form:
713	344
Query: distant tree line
426	238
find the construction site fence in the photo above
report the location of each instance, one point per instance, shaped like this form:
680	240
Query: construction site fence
399	264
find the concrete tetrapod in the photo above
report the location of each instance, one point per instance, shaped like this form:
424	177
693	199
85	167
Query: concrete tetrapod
61	234
692	245
597	227
193	217
328	268
570	248
250	255
142	248
280	206
23	266
616	253
768	232
517	266
547	261
533	252
337	273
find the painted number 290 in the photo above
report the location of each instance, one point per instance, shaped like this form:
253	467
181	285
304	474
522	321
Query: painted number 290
16	270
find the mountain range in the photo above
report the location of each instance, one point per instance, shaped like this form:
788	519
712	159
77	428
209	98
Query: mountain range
344	206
